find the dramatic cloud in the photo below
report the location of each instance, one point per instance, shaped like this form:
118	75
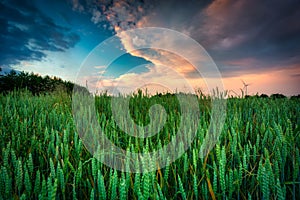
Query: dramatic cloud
26	33
121	15
77	6
243	37
232	31
265	31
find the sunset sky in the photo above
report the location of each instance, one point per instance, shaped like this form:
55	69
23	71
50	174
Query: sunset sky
251	40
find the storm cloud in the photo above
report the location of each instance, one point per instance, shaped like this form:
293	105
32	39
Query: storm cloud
26	33
232	31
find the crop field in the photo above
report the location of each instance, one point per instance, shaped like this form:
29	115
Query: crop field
42	156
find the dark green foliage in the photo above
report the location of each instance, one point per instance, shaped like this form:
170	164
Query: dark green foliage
34	83
295	96
263	96
277	96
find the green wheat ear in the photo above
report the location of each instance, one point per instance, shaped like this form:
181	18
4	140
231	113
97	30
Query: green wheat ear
195	155
249	196
137	183
185	163
54	190
19	172
92	195
222	169
37	183
215	180
60	177
52	169
204	190
114	185
30	163
146	185
166	171
122	187
181	189
43	194
265	184
161	195
296	164
230	183
6	155
2	180
101	186
27	182
5	183
14	158
94	167
195	186
23	197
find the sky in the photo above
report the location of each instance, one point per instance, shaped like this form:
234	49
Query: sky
255	42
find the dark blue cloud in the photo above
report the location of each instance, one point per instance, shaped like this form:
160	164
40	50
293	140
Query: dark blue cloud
26	33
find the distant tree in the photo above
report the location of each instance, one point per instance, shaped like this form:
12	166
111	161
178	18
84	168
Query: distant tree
12	72
295	97
35	83
252	96
264	96
277	96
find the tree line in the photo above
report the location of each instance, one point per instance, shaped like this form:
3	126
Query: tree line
37	84
34	83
